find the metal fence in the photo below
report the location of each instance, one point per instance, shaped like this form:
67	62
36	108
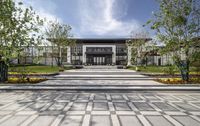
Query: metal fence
3	71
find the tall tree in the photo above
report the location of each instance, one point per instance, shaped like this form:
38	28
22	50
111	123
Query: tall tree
19	27
137	45
177	26
59	35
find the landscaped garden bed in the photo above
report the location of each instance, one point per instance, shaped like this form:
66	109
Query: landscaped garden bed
28	74
178	81
27	80
33	69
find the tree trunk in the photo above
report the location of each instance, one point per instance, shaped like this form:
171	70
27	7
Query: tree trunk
187	70
187	65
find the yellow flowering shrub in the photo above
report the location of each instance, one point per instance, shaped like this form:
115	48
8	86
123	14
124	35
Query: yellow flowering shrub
178	80
25	80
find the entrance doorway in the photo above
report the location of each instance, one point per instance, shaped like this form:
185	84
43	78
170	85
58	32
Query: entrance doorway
97	59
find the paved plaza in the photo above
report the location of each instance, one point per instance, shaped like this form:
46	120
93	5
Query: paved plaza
100	77
60	102
61	108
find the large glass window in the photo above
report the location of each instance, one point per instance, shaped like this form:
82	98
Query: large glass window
121	55
76	55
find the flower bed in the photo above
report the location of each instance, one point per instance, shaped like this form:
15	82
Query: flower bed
31	74
178	81
16	80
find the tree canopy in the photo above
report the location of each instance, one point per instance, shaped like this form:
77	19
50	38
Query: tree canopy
177	23
60	37
19	26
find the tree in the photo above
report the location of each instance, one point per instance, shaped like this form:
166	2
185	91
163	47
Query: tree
177	26
137	45
59	35
19	27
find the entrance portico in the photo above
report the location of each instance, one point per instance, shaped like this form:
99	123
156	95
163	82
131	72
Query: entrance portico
99	54
110	51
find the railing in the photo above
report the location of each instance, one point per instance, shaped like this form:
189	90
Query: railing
3	71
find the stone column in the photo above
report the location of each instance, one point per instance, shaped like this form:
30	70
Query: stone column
129	56
84	55
69	55
114	55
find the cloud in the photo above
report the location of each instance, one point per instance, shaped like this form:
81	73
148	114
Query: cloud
45	10
99	18
93	18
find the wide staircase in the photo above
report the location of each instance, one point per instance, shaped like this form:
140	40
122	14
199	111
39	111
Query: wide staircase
100	67
100	79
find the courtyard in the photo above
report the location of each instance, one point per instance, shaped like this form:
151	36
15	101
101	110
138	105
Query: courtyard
100	63
61	108
99	97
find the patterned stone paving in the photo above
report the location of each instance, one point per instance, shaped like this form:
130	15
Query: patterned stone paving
99	109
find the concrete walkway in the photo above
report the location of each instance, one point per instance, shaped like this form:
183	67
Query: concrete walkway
61	108
101	77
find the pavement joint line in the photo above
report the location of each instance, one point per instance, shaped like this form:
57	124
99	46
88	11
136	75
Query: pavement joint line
143	120
150	113
2	107
125	113
108	97
91	97
194	105
111	106
29	120
155	107
115	120
195	118
125	97
58	120
100	113
172	120
132	106
89	106
25	106
46	106
69	105
86	120
5	118
74	97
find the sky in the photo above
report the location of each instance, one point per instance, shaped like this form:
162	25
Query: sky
97	18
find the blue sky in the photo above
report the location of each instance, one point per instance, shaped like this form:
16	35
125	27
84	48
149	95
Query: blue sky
97	18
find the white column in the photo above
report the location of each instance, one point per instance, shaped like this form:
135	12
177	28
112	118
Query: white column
69	55
114	55
129	56
84	55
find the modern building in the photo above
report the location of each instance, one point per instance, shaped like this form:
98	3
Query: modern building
110	51
100	52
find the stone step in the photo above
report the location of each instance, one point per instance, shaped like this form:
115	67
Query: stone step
99	78
99	67
104	88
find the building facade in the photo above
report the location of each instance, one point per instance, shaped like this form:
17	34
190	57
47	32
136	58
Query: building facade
93	52
99	52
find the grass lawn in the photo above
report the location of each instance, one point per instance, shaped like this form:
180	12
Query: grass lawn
34	69
160	69
150	69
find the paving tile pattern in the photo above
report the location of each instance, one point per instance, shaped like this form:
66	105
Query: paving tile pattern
99	109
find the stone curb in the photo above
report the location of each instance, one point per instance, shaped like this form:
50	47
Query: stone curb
103	88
